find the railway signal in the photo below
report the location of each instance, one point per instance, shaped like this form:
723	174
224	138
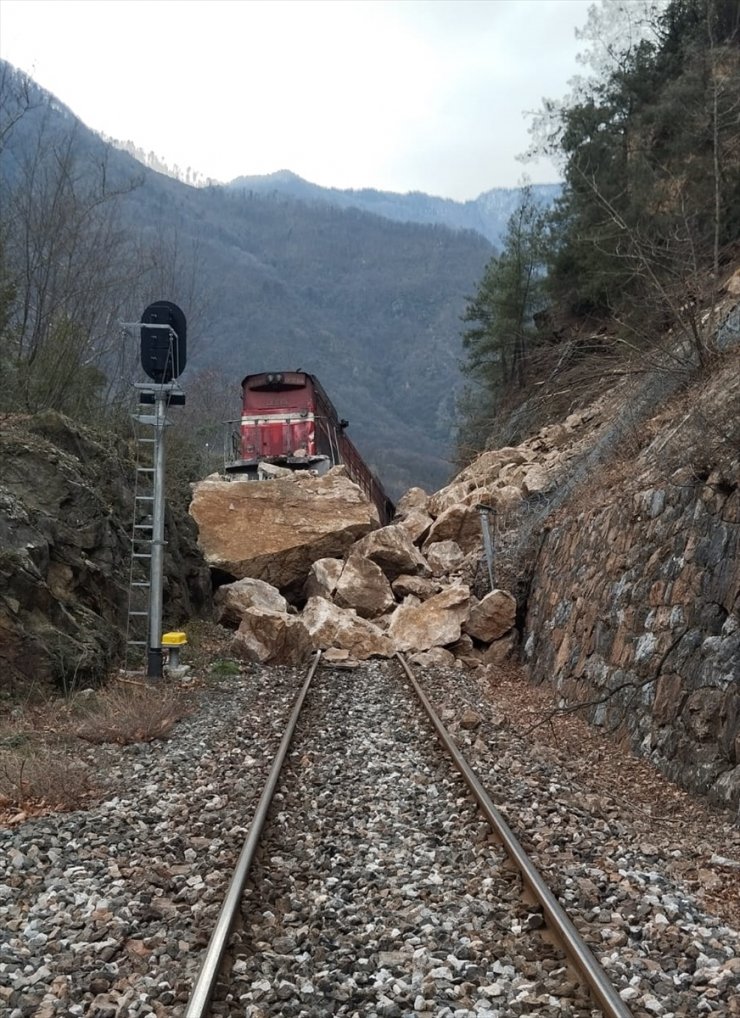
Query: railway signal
163	341
163	331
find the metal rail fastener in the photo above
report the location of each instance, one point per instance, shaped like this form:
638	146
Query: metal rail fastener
201	996
576	948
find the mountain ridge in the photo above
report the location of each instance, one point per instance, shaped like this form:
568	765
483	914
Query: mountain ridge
488	214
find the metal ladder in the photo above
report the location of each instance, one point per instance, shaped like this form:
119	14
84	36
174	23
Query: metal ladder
137	620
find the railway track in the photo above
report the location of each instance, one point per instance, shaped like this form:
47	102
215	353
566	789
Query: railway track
381	883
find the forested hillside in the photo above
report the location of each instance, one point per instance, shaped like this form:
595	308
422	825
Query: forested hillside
622	273
488	214
89	237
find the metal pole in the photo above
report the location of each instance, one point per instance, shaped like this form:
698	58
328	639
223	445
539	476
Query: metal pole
154	655
485	525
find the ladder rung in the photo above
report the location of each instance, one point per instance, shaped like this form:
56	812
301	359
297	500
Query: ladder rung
141	583
142	554
144	498
138	614
147	441
143	526
145	470
137	643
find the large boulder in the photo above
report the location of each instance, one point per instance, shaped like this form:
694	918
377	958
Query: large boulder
364	587
392	549
459	523
420	625
416	523
233	599
331	626
445	557
491	617
323	577
275	530
271	637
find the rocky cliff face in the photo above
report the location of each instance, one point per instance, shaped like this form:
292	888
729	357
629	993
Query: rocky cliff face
65	515
634	603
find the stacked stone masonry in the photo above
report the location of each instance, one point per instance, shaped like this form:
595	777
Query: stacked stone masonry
634	610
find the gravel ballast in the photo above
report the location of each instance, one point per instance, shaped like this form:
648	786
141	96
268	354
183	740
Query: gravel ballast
392	905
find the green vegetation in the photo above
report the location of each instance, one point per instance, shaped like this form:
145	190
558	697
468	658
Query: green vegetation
649	211
224	669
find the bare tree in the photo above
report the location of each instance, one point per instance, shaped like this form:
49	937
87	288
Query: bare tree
67	259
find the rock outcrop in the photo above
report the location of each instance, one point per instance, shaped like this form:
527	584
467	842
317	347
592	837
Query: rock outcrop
634	601
66	505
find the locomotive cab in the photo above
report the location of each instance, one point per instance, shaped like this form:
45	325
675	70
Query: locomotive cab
288	421
282	423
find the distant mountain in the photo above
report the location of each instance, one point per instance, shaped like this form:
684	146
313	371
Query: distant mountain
487	214
270	281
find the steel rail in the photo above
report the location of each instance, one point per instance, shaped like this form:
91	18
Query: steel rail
200	998
576	948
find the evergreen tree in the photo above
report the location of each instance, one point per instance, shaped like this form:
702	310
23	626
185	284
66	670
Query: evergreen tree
501	329
652	170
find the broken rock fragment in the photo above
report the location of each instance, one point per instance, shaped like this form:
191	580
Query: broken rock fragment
363	586
491	617
419	586
233	599
445	557
331	626
323	577
413	499
420	625
417	524
459	523
392	549
271	637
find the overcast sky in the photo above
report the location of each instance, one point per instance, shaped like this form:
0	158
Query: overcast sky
402	95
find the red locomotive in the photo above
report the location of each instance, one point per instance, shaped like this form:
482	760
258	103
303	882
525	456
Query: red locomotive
288	420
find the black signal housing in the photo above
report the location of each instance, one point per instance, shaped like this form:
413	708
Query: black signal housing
163	352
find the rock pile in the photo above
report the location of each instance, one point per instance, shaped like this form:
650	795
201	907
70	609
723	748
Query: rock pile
403	587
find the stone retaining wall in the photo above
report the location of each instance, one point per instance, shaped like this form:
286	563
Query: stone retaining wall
634	610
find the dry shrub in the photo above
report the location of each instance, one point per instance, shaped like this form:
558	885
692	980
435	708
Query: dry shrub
126	712
42	776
